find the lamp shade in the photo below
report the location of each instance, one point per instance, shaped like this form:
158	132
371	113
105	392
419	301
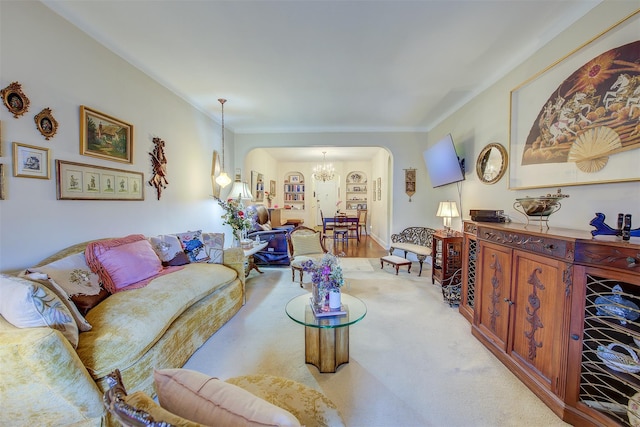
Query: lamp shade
240	189
448	209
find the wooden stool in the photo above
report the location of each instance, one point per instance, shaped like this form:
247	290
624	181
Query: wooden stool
395	261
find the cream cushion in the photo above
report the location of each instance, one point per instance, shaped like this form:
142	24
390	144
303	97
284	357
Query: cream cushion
304	244
26	304
210	401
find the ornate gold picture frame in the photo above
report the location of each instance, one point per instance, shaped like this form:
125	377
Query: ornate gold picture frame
46	124
15	100
105	137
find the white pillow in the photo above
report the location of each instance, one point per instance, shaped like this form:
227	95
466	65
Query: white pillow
72	274
210	401
26	304
214	244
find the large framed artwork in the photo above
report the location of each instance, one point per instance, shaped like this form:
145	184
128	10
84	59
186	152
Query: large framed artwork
105	137
577	122
30	161
79	181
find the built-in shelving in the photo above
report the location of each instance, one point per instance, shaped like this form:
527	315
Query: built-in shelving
356	192
294	190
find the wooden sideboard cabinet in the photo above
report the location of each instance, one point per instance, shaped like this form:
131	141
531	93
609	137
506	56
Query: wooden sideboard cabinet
523	304
539	308
469	269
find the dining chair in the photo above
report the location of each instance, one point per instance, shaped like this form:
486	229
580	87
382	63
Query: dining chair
362	222
325	226
341	230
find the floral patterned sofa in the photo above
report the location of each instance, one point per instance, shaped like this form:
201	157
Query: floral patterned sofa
55	373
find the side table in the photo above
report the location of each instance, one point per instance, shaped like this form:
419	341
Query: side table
447	264
326	339
249	261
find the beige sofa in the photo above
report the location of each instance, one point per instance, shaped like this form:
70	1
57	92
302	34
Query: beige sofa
45	381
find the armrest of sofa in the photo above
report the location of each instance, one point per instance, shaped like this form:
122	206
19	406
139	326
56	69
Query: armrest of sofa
43	380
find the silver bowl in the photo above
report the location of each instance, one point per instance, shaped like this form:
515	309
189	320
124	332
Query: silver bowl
538	206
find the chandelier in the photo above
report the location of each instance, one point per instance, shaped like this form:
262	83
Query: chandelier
323	172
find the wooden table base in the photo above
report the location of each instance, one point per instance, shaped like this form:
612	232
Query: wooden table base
326	348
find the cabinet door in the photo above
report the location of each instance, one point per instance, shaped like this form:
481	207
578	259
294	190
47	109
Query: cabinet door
469	257
540	318
492	311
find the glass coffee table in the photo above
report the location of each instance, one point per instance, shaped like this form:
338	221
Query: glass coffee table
326	339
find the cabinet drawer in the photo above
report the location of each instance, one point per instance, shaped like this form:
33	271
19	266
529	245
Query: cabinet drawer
603	254
542	245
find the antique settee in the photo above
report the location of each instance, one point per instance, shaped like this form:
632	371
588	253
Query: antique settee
417	240
55	375
275	253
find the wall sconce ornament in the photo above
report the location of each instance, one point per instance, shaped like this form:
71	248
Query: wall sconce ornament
410	182
46	124
159	165
15	100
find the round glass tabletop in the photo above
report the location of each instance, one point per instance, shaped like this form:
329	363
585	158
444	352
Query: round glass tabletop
299	310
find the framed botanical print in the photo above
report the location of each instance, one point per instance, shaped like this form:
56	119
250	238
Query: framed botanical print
105	137
79	181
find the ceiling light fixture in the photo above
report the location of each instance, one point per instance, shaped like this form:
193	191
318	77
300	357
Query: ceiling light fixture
324	172
223	179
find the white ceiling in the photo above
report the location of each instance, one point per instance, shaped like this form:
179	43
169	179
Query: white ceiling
324	65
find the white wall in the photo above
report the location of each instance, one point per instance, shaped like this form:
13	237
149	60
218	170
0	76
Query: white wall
483	120
62	68
486	120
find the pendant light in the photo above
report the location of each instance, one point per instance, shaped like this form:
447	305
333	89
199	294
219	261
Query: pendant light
223	179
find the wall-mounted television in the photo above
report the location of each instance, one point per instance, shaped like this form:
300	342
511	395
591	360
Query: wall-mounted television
443	165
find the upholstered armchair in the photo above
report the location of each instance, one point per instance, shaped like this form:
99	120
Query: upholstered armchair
276	251
304	244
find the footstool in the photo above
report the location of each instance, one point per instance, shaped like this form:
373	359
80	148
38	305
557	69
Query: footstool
395	261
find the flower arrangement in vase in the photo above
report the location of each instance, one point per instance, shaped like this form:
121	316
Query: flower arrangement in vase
326	278
236	216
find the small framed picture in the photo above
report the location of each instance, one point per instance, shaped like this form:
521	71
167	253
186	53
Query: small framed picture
30	161
46	124
272	188
294	178
105	137
15	100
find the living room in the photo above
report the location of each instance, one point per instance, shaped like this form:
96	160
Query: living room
62	67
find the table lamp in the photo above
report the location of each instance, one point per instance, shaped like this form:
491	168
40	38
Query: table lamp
447	210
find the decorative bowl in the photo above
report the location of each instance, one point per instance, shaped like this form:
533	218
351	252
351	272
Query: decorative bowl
538	206
616	306
619	361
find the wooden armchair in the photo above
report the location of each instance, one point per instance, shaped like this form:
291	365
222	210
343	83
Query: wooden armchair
304	244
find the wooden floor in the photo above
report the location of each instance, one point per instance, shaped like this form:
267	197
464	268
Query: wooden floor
366	248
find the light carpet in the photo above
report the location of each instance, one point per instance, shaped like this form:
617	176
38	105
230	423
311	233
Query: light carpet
413	360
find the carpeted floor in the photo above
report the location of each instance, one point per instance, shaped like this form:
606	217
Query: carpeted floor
413	360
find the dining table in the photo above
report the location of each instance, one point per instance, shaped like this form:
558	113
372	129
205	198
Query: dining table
348	219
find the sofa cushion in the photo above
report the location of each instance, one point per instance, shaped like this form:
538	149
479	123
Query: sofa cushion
127	324
210	401
169	250
27	304
193	246
47	282
412	247
127	262
72	280
214	244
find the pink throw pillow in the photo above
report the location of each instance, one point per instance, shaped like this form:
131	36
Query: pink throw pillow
128	264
